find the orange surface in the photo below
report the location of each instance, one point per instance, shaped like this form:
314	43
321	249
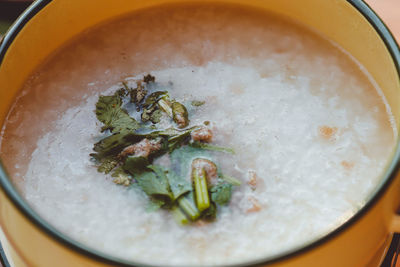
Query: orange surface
389	11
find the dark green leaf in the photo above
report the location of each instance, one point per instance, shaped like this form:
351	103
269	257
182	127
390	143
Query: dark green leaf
179	185
149	78
135	165
115	118
113	144
197	103
155	117
138	94
147	113
153	98
107	164
177	140
221	193
180	114
181	159
154	185
151	110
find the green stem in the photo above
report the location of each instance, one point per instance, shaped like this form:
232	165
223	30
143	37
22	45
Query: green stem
165	107
230	179
189	208
179	216
201	190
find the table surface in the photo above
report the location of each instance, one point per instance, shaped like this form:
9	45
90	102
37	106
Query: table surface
388	10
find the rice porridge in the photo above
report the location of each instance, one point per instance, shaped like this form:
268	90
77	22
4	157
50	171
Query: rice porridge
311	132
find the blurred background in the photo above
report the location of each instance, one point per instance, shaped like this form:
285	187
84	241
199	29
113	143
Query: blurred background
388	10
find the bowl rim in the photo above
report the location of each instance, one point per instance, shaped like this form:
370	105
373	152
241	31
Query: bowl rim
363	8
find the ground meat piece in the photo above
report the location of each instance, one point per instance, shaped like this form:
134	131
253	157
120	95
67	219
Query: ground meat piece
180	121
143	148
328	133
209	167
256	206
203	134
252	181
347	165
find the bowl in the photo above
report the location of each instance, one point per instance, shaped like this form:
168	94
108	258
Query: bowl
48	24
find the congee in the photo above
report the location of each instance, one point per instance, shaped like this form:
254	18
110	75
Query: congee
198	134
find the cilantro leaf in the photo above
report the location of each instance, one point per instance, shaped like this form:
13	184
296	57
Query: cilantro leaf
152	185
180	114
153	98
149	78
113	116
197	103
175	141
151	111
151	179
138	94
179	185
221	193
112	145
107	164
181	159
135	165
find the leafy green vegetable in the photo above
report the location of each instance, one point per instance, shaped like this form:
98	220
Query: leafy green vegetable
151	110
154	97
153	185
179	185
221	193
170	188
197	103
113	116
135	165
149	78
180	114
182	157
175	141
212	147
107	164
113	144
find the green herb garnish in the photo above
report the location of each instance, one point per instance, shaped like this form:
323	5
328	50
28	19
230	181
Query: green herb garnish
197	103
192	187
113	116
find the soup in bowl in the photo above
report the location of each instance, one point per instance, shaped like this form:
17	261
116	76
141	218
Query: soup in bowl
199	134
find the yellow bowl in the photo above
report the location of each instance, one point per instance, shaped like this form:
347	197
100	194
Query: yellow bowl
47	25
